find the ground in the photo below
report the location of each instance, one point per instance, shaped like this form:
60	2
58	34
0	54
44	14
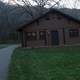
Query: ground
3	45
5	57
45	64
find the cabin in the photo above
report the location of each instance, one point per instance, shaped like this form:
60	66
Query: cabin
53	28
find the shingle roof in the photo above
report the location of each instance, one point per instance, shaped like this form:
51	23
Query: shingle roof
50	11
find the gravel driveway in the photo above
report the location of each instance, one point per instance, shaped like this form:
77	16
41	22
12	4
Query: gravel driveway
5	56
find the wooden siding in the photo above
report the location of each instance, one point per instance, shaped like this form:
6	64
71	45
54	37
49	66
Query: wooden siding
55	22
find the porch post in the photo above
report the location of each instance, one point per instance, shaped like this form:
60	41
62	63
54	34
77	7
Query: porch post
64	40
22	43
18	37
24	39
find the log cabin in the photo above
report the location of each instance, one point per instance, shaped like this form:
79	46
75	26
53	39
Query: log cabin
53	28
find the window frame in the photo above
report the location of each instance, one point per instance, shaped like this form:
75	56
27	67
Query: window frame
42	37
31	37
73	33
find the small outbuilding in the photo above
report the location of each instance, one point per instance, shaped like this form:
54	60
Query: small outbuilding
53	28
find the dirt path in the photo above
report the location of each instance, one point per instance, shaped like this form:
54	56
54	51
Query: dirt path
5	57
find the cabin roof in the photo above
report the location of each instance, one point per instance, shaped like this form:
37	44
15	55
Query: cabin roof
50	11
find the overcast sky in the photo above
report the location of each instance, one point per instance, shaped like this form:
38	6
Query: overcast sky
66	3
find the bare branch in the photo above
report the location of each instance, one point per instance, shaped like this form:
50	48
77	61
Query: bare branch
41	4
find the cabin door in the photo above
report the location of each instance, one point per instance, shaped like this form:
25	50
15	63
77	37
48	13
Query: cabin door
54	38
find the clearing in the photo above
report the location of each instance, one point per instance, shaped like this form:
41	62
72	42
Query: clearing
45	64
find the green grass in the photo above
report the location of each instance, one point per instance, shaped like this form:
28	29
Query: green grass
45	64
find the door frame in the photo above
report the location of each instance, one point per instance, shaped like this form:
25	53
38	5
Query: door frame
54	42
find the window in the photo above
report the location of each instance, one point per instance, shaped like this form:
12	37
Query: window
42	35
31	35
74	33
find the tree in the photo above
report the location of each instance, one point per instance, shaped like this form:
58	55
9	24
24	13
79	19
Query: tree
37	6
76	3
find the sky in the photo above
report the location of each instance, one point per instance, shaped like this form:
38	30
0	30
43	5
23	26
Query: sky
66	3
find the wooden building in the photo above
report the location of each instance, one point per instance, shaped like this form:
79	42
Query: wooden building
51	29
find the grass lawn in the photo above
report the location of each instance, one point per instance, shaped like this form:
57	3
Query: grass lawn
45	64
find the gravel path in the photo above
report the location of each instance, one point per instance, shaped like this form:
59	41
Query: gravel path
5	56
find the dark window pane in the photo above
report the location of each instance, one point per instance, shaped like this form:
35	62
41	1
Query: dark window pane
74	33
